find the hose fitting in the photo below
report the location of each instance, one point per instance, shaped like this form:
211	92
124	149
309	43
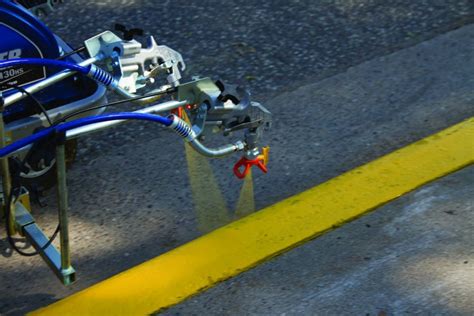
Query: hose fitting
101	76
182	128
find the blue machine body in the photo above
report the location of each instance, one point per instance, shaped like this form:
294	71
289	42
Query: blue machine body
22	35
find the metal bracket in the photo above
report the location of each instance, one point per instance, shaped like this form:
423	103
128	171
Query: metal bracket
133	65
104	43
141	65
26	224
199	91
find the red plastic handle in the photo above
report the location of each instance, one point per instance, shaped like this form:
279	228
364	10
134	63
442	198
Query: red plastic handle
247	164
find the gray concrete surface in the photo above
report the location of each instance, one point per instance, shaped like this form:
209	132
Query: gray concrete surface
124	212
412	256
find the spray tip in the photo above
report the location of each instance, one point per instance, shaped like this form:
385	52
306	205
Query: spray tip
242	167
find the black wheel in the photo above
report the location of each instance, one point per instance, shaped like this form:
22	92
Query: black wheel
39	169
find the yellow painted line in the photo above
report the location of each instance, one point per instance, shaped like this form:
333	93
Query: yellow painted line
230	250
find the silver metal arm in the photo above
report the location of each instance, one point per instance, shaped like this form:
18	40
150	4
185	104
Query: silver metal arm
15	97
216	152
157	108
124	93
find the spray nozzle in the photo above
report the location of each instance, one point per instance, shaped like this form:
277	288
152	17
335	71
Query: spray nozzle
250	159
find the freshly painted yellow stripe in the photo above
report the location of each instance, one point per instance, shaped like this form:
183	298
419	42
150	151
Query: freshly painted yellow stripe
230	250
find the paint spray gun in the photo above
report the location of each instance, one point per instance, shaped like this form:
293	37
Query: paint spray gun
215	107
210	107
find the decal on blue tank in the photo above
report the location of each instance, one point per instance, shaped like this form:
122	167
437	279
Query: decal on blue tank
16	45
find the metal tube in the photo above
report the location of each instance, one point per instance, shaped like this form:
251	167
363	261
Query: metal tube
63	208
124	93
36	237
43	62
6	177
84	122
183	129
47	82
216	152
161	107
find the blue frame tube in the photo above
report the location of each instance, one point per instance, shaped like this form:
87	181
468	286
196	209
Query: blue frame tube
7	150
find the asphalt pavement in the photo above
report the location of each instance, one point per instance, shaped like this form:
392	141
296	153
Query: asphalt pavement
269	45
347	81
412	256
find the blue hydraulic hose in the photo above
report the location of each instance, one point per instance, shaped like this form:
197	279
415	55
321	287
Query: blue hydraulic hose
5	151
44	62
113	117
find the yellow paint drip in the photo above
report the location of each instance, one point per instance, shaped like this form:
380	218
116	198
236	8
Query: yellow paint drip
232	249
